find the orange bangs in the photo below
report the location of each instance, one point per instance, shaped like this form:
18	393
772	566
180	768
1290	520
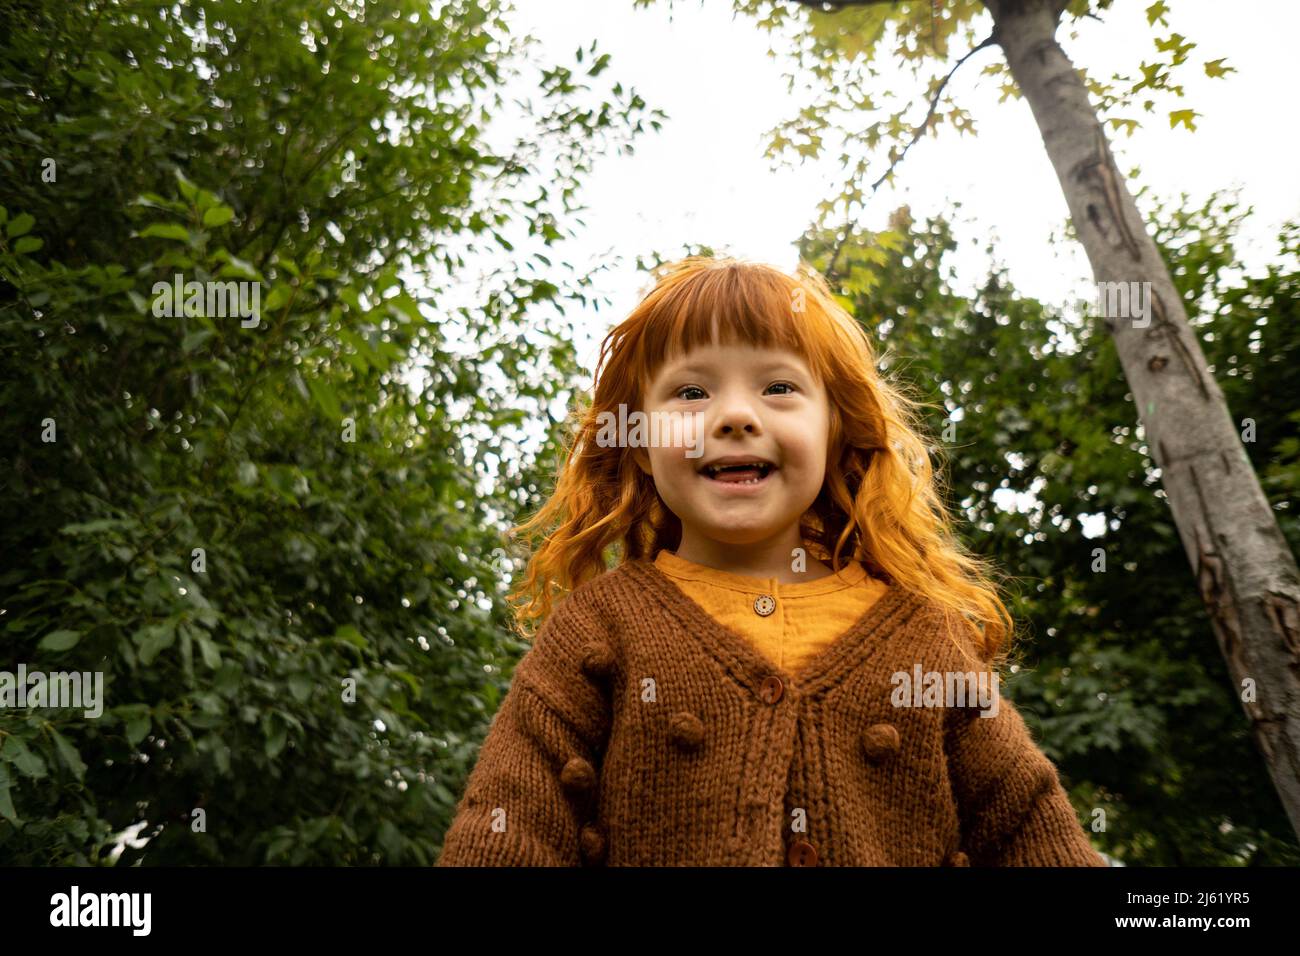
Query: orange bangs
881	503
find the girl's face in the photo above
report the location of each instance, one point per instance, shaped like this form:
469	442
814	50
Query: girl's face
763	403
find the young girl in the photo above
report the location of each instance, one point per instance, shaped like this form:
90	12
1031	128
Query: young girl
789	661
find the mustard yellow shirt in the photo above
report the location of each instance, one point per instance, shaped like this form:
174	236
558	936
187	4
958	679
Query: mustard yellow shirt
808	615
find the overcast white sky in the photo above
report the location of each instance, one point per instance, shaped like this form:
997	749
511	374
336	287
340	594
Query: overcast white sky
703	178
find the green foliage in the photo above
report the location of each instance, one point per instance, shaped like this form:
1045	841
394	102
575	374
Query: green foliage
1119	672
278	540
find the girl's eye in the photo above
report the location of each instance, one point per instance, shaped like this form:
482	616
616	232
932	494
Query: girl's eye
696	388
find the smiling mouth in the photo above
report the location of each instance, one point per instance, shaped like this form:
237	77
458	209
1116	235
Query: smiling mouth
739	474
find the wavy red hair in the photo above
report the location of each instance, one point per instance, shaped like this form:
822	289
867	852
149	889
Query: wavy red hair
881	502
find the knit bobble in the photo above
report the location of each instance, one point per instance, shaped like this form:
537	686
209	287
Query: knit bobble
578	774
597	660
686	730
592	844
956	858
880	741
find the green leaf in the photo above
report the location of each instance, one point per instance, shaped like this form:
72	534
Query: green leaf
154	639
235	267
891	240
165	230
29	764
350	634
154	201
6	801
69	755
277	297
276	735
60	640
28	244
208	651
300	685
1183	116
20	225
404	308
325	398
218	216
137	728
195	339
1215	68
188	189
279	847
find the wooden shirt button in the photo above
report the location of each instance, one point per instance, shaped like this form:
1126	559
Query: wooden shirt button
801	853
771	689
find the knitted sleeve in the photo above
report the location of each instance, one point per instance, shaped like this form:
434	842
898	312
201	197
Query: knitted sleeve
532	790
1011	805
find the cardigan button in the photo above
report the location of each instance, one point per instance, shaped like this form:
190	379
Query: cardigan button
880	742
578	774
771	690
801	853
956	858
764	605
597	660
686	730
593	844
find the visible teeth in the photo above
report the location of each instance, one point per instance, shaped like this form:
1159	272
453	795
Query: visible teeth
746	481
713	471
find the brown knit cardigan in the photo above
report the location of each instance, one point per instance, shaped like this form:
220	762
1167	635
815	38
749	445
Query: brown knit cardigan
638	731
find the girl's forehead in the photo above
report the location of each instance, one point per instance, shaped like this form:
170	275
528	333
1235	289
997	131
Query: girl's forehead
730	353
713	360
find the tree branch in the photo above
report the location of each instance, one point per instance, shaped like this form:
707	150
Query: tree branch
934	104
989	40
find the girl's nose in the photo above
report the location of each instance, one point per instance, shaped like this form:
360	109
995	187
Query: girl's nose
737	415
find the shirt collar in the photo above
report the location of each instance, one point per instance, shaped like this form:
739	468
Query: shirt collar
674	566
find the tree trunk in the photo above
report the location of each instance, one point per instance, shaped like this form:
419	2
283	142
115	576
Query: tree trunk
1246	574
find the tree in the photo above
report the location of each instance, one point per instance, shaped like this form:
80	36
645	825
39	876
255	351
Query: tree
1246	575
1122	683
269	531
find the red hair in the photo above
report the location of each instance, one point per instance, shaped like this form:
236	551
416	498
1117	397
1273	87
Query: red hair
881	503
